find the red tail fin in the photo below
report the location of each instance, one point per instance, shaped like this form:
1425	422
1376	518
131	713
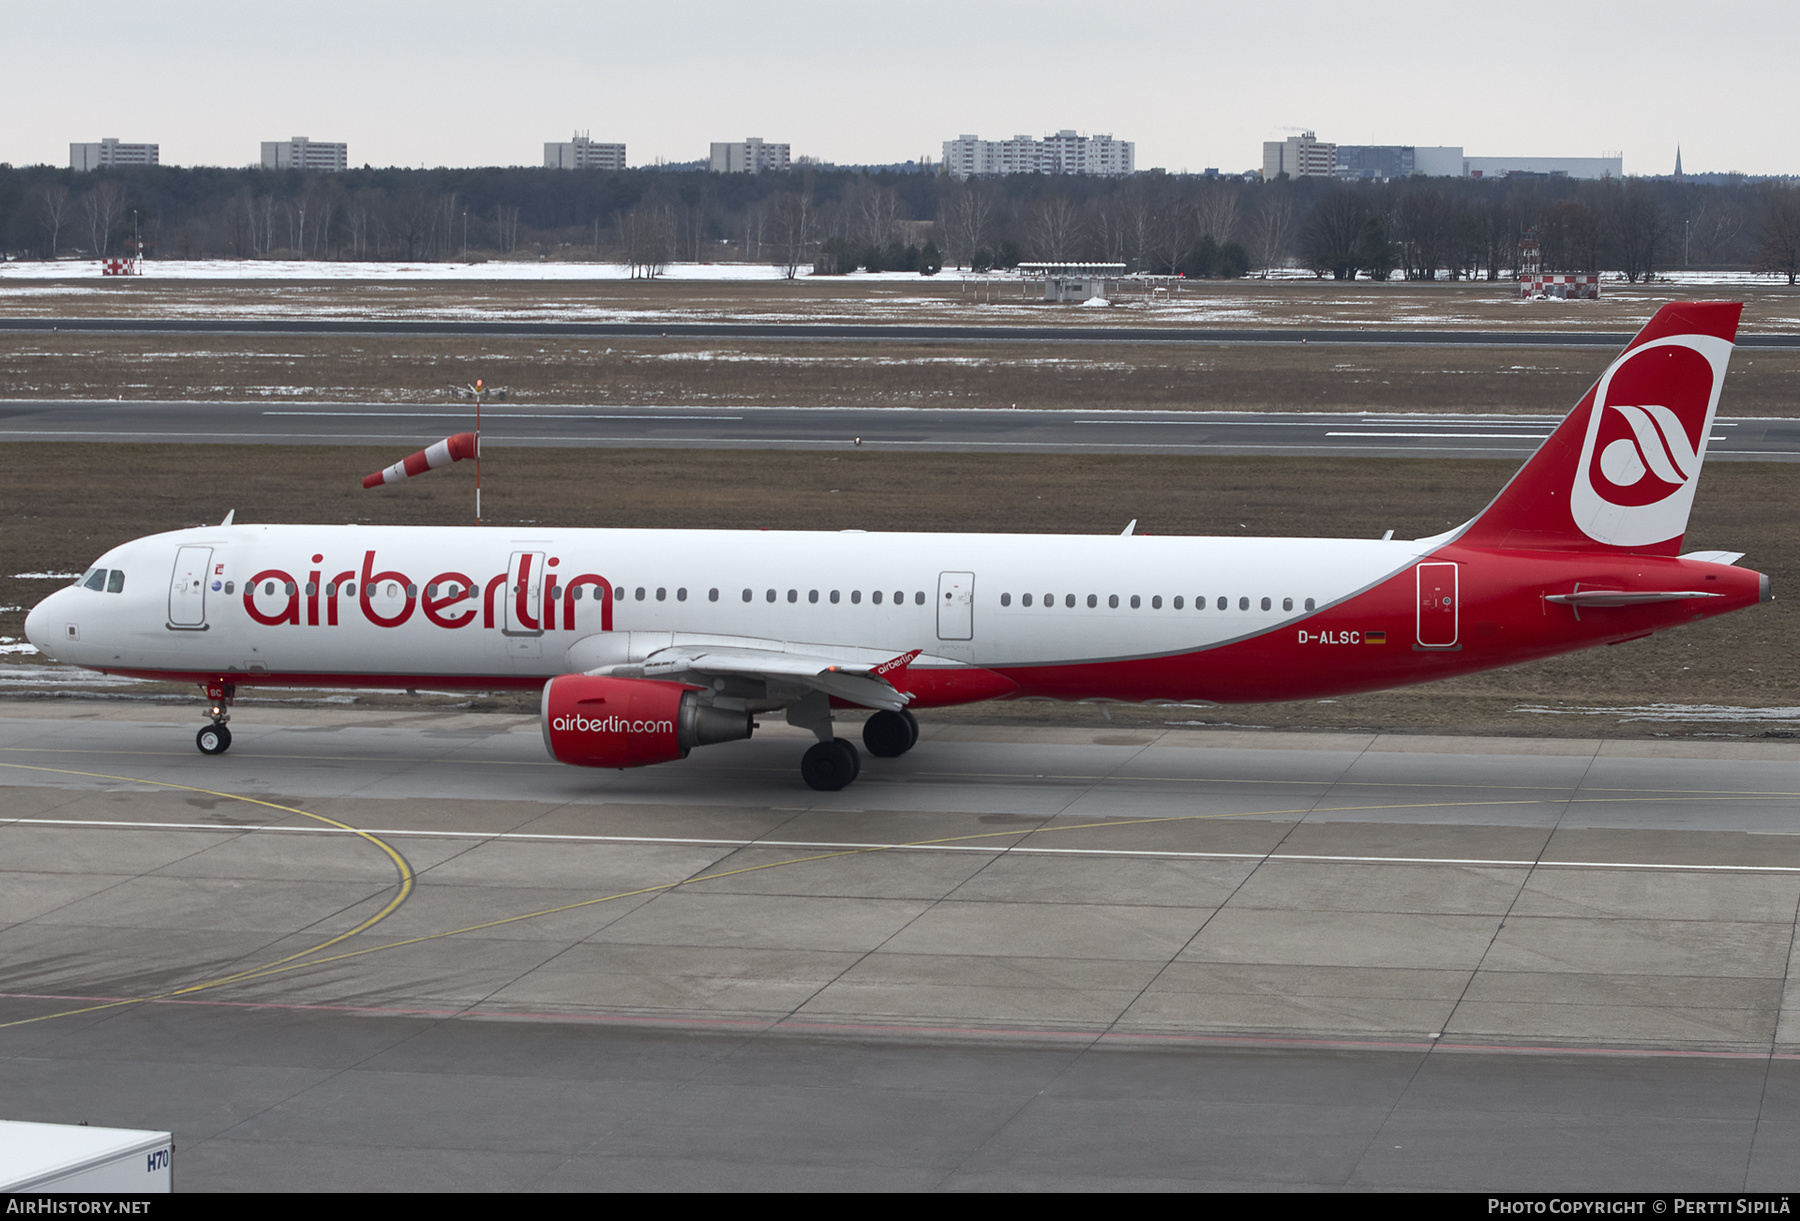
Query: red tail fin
1620	471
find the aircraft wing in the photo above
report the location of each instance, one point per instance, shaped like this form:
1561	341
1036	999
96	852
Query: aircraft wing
858	682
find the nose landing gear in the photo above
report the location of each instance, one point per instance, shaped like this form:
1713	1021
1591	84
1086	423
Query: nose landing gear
215	739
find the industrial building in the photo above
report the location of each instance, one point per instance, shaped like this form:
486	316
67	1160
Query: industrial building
1611	166
1306	156
1066	152
1301	156
751	156
109	152
1385	161
581	153
300	153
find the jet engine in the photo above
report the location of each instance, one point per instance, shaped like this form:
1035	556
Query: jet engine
631	722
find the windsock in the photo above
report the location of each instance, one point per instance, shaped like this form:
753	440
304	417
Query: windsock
450	449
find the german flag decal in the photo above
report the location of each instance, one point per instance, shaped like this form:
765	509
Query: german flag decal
1374	637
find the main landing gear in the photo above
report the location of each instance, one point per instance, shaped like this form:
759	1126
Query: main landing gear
215	739
888	735
832	763
829	766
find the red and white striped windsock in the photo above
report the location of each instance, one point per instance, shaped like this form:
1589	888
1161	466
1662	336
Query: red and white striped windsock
450	449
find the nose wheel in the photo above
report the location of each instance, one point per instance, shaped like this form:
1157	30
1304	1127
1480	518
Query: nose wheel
215	739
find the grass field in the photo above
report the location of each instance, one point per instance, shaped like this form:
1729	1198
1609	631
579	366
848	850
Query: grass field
66	503
1084	376
1482	304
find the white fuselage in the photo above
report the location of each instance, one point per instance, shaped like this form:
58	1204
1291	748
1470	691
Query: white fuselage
391	601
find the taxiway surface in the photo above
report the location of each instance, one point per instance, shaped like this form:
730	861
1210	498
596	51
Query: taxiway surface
964	430
407	949
1385	336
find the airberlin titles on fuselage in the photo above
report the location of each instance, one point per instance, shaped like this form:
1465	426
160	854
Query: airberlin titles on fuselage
274	598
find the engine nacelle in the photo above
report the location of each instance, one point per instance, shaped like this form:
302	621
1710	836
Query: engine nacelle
631	722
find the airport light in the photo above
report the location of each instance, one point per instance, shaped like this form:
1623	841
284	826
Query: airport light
480	392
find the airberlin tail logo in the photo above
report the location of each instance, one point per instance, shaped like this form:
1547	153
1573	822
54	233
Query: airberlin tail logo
1645	439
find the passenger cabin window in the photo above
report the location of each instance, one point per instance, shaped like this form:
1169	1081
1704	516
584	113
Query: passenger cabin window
712	595
1113	601
919	598
1069	601
875	597
812	595
834	597
1197	605
769	597
681	595
1265	604
662	594
1309	604
1287	604
746	595
1024	600
855	597
1005	599
1094	600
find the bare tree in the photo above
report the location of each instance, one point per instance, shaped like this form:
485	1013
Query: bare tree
102	207
1778	245
793	219
1053	227
1173	229
52	206
966	219
1636	225
1216	212
1272	228
646	234
1334	234
874	213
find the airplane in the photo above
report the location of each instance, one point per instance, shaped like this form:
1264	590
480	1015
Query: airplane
648	643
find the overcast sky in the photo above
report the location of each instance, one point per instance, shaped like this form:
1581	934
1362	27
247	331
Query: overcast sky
1194	84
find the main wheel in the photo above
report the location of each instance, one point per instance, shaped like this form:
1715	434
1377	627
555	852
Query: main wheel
829	766
912	727
889	735
213	740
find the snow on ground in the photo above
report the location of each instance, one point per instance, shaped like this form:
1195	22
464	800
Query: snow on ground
1678	712
299	269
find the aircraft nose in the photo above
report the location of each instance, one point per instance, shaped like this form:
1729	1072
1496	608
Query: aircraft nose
40	624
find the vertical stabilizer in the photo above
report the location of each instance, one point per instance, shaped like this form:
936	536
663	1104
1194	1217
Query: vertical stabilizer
1619	473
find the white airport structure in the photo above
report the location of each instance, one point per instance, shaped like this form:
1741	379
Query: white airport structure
109	152
751	156
300	153
1301	156
582	153
1066	152
1610	166
1306	156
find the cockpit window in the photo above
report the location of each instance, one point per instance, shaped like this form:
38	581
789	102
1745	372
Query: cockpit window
96	579
115	584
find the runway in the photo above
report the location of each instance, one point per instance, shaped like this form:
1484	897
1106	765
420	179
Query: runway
950	430
395	949
814	331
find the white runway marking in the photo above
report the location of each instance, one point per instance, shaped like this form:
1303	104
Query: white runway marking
853	846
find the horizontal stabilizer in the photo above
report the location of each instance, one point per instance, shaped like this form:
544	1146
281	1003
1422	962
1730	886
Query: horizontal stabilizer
1715	557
